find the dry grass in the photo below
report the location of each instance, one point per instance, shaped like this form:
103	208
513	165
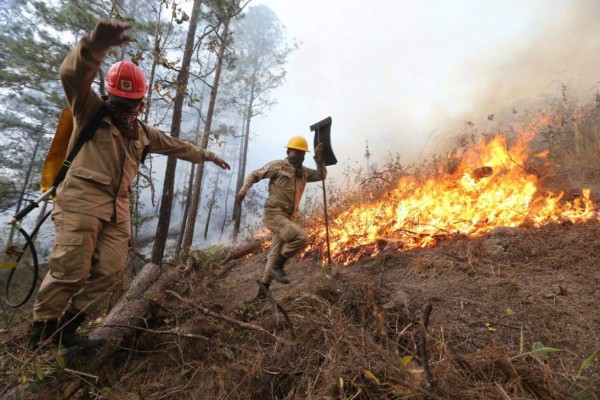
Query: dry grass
348	341
354	336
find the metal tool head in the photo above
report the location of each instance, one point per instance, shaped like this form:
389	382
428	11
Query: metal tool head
322	131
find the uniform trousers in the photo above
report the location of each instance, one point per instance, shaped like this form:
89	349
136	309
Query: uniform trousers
287	238
86	264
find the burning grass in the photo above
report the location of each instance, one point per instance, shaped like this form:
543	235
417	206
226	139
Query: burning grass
490	185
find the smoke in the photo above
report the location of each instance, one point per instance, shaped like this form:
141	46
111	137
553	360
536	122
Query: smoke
406	75
561	49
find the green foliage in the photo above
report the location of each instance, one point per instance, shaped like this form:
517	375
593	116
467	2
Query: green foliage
31	52
585	365
209	258
537	349
61	362
8	191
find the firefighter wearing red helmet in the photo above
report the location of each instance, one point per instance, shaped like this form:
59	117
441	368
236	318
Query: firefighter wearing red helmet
91	212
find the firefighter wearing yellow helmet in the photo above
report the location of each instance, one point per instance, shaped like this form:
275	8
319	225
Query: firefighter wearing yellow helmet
287	179
91	212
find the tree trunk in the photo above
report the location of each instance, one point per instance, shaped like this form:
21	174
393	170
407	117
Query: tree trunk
236	214
164	216
237	208
226	201
146	113
156	52
211	203
190	190
191	221
26	182
185	210
135	306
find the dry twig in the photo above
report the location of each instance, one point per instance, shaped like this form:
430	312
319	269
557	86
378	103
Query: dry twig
169	332
422	344
275	304
233	321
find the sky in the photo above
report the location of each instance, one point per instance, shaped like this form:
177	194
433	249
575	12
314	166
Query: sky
399	74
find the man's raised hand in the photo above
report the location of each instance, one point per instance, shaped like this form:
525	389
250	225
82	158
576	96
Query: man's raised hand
319	153
109	33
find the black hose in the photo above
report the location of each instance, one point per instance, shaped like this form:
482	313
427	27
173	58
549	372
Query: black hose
28	243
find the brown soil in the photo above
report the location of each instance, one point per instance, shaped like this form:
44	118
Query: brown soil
488	295
356	330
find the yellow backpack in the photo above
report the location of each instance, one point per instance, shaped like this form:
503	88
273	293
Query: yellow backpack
58	149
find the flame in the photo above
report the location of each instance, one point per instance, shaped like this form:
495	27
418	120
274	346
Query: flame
418	214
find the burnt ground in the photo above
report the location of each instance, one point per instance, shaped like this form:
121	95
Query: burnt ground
499	304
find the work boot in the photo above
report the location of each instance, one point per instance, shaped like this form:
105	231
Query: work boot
276	271
41	330
262	294
68	324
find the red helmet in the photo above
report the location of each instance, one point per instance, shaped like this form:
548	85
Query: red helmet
125	79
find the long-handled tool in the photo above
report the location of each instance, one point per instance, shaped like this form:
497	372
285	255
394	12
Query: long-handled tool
322	131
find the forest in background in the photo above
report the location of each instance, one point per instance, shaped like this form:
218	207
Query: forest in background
211	69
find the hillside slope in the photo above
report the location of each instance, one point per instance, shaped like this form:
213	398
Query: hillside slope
498	303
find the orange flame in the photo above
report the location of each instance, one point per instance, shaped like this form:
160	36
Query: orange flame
421	213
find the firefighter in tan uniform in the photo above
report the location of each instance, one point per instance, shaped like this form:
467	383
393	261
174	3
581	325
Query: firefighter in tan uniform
91	212
287	179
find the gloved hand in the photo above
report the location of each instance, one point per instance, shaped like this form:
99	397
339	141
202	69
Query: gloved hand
319	153
109	33
240	197
221	163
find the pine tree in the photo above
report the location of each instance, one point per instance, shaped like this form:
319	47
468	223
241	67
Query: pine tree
261	53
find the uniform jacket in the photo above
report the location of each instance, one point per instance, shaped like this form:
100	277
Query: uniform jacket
285	189
99	179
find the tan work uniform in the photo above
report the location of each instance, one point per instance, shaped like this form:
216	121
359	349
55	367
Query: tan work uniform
91	214
281	208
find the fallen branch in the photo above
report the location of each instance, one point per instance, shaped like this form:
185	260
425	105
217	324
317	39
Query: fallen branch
80	374
232	321
422	344
275	304
134	305
169	332
227	268
243	250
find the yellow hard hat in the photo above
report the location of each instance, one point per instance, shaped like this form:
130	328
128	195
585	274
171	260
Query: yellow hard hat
298	143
